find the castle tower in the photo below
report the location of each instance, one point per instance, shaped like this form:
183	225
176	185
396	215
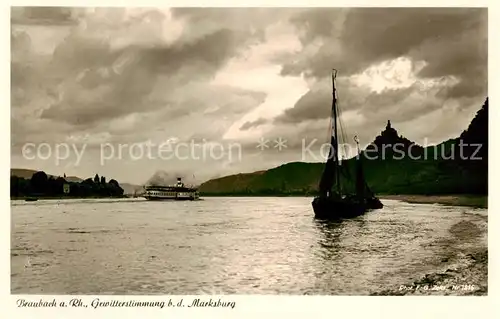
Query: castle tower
389	132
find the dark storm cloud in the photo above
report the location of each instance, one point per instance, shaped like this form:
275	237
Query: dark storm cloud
316	103
371	35
21	68
311	106
399	104
464	57
89	80
113	78
248	19
319	23
250	124
451	41
376	101
99	95
43	15
397	32
207	54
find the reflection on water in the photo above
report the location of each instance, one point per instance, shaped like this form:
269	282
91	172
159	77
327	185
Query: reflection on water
228	246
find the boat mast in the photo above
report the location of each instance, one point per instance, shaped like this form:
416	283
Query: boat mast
335	139
331	172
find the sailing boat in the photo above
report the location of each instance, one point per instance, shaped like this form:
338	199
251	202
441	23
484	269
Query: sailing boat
333	202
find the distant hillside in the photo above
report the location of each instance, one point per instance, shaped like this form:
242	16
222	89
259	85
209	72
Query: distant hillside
434	174
291	178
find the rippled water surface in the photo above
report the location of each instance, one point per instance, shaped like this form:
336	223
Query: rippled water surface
228	246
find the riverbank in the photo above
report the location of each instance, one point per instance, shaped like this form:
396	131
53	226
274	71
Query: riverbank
462	275
460	264
479	201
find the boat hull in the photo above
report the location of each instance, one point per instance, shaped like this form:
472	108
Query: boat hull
342	208
330	208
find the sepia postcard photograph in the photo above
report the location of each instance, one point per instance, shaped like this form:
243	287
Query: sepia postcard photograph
247	151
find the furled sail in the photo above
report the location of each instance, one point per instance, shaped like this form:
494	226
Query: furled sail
328	177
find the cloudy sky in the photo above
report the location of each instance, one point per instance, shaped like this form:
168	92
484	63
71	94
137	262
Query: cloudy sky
223	79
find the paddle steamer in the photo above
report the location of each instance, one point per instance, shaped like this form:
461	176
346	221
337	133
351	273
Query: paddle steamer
174	192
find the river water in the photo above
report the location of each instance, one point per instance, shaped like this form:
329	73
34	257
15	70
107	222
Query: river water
229	246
